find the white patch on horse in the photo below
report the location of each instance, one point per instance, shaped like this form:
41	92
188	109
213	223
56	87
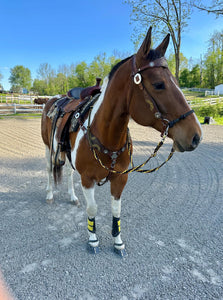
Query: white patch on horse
116	207
186	101
94	111
171	78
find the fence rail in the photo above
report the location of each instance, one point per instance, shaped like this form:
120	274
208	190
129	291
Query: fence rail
211	101
16	99
13	108
6	109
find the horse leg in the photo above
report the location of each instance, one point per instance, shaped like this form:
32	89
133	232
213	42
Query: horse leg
117	186
73	197
49	188
91	212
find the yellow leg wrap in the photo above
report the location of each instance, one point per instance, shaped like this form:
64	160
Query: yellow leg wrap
91	225
116	226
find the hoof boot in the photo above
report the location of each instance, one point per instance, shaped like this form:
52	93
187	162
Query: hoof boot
93	249
120	252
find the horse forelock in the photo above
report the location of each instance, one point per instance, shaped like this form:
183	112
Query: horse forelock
153	55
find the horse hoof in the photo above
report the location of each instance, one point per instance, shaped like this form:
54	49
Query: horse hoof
121	252
76	203
49	201
92	249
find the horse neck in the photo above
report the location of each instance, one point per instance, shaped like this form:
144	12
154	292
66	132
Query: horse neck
111	121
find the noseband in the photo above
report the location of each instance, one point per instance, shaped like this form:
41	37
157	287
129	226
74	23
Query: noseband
138	80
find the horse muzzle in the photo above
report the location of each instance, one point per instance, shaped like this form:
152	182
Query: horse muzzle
180	146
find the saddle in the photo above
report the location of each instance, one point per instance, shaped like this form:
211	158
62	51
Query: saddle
67	114
82	93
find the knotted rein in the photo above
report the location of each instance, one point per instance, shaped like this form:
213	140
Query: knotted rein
95	144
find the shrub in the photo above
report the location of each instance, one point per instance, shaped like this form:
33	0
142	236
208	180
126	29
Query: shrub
210	110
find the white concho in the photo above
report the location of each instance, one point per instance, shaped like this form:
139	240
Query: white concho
137	78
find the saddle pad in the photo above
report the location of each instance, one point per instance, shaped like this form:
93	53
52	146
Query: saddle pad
59	104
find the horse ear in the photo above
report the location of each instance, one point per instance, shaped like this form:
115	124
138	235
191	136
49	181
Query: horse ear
163	46
145	47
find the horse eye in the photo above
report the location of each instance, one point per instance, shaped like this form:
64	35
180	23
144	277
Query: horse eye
159	86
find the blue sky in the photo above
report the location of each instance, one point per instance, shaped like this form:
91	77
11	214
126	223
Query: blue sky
69	31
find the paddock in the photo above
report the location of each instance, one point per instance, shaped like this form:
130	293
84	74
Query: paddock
172	224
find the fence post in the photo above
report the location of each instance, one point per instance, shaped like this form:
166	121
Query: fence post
14	108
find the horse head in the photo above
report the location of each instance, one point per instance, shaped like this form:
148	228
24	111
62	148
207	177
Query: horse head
156	99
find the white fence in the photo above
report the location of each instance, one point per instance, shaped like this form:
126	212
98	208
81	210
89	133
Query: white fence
7	109
13	108
16	99
211	101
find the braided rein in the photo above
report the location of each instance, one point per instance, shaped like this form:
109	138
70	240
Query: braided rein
132	169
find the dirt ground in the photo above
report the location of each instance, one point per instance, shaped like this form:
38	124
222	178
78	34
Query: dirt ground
171	224
21	138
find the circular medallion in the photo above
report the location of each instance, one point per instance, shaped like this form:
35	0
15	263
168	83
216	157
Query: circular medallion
137	78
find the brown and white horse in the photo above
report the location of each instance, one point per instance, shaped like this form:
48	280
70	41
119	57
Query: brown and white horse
140	87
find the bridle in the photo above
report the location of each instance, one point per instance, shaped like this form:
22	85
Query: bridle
138	80
96	146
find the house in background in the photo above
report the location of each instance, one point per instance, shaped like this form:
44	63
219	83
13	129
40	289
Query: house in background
218	89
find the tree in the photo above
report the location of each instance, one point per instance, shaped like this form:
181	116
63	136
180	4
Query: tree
172	63
184	79
190	78
213	63
165	16
39	87
20	78
215	8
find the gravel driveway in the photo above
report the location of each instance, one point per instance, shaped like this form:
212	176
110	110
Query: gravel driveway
172	224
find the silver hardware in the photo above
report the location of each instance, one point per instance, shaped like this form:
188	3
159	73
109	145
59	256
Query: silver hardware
137	78
105	151
157	115
77	115
114	155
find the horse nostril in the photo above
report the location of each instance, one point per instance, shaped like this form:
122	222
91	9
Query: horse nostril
195	141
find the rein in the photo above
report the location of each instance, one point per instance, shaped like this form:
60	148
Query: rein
95	144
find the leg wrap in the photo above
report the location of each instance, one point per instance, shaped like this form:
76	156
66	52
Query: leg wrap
116	226
91	225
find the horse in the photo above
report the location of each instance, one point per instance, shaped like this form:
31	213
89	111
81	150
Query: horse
140	87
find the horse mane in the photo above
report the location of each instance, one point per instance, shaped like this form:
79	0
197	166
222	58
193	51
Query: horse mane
115	68
152	55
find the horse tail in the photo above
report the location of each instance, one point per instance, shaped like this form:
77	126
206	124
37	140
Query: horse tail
57	173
